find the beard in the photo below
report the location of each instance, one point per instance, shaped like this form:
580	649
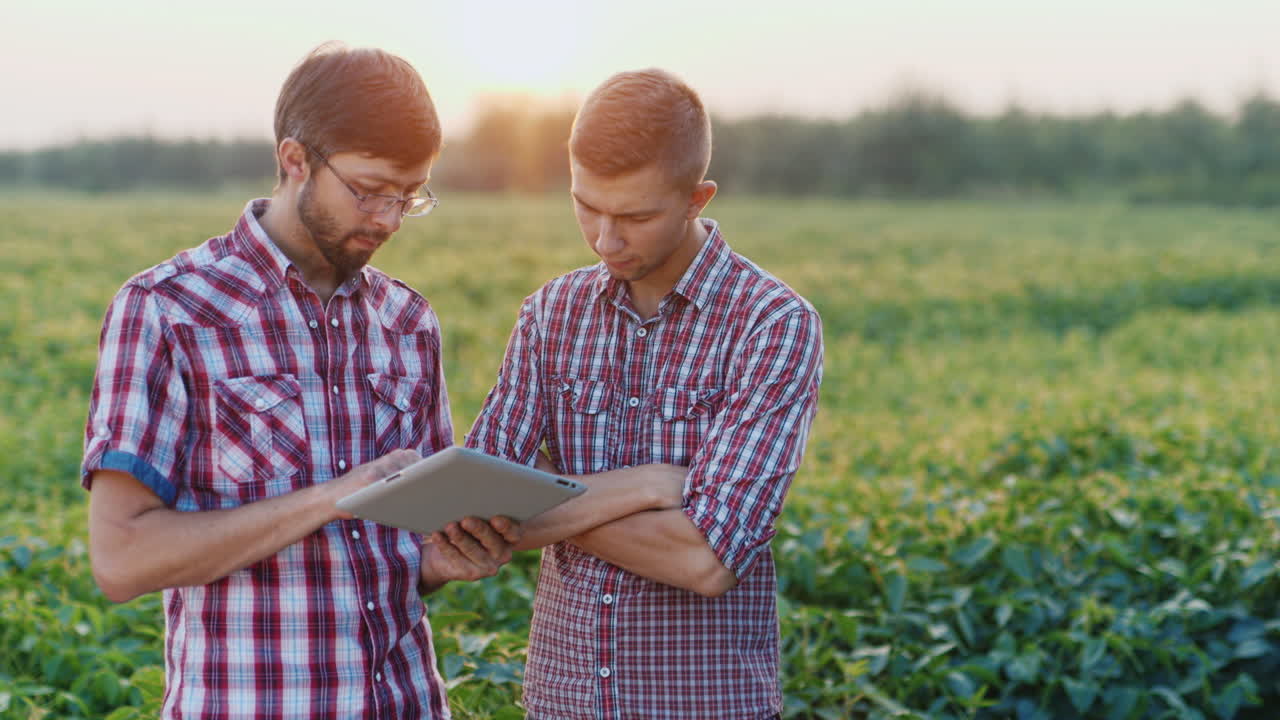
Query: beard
334	245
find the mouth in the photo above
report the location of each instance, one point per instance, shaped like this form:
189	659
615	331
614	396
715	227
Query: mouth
367	241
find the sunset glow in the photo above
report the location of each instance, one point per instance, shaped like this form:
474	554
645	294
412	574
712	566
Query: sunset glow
83	69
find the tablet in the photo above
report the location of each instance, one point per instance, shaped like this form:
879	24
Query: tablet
456	483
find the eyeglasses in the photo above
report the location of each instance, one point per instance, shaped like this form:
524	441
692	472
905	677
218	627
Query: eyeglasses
376	204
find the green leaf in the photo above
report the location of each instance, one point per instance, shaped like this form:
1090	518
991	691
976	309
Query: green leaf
896	589
1120	702
1243	690
1227	703
474	644
21	557
877	658
961	685
969	555
1024	668
1257	572
1123	518
1015	561
919	563
1175	702
1172	566
1003	613
1081	693
509	672
1091	653
964	626
1252	648
452	665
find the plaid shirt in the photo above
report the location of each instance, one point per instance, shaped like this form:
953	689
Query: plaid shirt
722	380
222	380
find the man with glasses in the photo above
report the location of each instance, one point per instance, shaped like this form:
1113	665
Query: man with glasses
672	352
245	385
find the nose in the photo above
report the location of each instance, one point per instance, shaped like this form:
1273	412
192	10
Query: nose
389	219
608	239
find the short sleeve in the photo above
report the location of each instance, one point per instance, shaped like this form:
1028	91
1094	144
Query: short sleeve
138	407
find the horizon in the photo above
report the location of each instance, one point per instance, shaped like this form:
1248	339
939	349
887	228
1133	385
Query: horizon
156	69
542	104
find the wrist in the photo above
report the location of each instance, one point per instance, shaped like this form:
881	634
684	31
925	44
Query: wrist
324	502
426	587
428	580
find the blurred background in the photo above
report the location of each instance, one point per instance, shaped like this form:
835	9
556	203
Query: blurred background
1171	101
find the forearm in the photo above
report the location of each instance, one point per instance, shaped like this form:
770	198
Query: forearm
663	546
162	548
609	496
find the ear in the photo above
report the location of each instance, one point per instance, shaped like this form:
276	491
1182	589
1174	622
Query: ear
698	199
292	156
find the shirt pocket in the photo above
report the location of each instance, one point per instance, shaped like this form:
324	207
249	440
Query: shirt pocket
583	424
400	411
260	432
683	416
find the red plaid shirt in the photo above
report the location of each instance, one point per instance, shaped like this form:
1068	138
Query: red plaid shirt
723	380
223	379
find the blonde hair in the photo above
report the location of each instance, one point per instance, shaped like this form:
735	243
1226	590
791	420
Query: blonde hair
638	118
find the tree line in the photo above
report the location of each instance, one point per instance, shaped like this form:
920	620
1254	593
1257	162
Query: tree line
917	145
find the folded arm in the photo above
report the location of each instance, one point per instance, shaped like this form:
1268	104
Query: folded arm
663	546
609	496
739	475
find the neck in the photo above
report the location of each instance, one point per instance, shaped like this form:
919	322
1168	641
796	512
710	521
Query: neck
647	292
286	231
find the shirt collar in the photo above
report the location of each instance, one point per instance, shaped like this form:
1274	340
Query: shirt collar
696	284
269	261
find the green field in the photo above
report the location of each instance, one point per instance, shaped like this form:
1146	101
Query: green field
1044	481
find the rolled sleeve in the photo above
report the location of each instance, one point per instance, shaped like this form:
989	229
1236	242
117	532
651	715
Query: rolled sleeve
511	423
740	475
138	407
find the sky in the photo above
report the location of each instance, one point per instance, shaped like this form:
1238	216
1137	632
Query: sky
72	69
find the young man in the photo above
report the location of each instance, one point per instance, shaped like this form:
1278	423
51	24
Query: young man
656	599
245	385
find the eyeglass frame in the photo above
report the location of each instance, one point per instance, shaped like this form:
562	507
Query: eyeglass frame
428	201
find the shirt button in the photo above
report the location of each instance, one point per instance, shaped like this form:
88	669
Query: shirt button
335	389
607	599
355	534
260	403
634	402
369	605
313	324
378	677
342	464
605	672
642	332
402	403
334	322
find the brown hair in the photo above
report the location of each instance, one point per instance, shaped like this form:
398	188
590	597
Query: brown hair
641	117
341	99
